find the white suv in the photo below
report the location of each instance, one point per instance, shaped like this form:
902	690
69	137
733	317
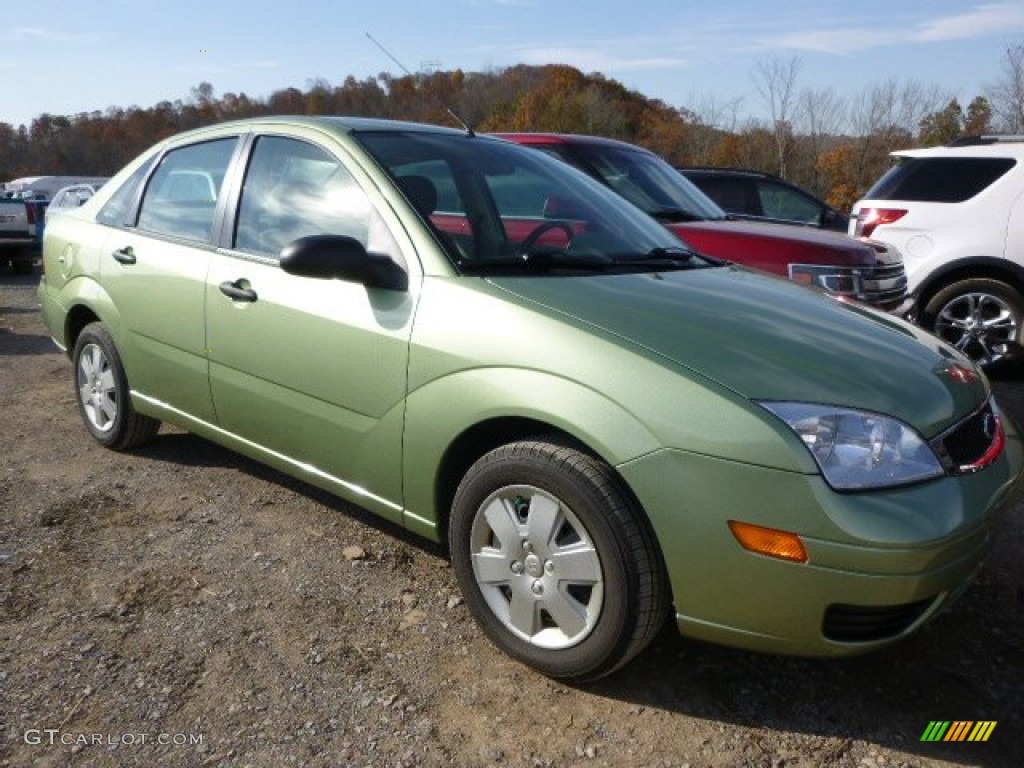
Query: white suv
957	215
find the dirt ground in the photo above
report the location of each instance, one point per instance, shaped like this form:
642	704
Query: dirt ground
184	606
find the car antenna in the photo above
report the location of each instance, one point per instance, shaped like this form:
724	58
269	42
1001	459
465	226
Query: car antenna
401	66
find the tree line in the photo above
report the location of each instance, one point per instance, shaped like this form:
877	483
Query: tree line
831	146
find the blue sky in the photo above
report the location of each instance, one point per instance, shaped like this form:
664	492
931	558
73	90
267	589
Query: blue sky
70	56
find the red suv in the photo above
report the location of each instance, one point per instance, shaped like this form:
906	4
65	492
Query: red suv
867	271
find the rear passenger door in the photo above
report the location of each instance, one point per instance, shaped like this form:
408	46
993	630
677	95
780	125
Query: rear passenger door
154	266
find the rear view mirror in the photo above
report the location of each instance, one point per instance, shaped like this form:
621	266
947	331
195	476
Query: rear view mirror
339	257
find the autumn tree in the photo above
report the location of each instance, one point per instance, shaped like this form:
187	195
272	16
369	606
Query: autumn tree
943	126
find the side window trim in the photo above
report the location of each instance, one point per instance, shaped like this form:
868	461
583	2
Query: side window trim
231	192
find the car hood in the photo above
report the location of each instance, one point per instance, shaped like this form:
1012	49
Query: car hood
769	339
781	233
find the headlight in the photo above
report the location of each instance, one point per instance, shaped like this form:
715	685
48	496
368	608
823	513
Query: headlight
841	281
857	449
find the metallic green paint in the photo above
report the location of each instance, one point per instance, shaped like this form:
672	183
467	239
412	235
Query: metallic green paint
364	392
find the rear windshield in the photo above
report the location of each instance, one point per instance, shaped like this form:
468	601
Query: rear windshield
939	179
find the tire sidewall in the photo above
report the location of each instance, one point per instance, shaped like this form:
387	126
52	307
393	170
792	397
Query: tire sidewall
979	285
988	286
613	629
98	335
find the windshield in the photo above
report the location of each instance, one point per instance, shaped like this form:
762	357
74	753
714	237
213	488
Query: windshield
493	204
648	182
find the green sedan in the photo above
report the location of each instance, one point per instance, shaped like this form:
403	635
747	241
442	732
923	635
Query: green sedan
480	343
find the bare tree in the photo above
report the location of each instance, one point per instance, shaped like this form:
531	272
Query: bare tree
886	117
1007	94
820	116
711	119
775	80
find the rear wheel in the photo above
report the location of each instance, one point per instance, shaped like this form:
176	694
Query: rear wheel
978	316
556	561
103	394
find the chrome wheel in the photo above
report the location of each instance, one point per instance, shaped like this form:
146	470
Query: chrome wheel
978	324
537	567
97	388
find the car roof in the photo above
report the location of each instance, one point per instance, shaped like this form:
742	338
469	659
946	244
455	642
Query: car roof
566	138
336	124
716	171
1014	149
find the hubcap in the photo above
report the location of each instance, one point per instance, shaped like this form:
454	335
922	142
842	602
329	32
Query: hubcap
537	567
96	389
978	324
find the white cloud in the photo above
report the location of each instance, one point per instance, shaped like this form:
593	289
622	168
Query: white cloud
205	70
595	60
980	22
840	41
42	35
996	18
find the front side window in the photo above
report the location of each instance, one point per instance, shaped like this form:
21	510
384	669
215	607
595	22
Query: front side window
293	189
181	197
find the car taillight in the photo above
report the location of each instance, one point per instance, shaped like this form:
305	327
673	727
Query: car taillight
870	218
30	212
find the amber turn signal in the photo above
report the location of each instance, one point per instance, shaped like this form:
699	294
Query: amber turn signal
768	541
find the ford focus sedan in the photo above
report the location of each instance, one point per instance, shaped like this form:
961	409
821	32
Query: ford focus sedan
480	343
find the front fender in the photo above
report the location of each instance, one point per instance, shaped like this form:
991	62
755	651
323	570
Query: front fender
484	394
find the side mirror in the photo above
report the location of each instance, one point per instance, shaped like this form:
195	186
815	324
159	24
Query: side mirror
327	257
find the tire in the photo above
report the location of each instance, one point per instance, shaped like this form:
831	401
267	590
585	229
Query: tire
556	561
103	393
978	316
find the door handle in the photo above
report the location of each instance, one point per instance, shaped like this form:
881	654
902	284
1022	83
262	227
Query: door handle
124	255
238	290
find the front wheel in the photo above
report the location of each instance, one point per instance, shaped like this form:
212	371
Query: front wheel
555	560
103	394
978	316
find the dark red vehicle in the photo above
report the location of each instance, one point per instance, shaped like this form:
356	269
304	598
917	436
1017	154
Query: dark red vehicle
865	271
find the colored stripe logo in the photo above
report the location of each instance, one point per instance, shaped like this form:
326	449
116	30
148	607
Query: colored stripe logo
958	730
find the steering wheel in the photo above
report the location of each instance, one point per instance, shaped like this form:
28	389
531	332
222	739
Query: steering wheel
531	239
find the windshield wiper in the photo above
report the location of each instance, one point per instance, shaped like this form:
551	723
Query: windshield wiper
547	260
666	258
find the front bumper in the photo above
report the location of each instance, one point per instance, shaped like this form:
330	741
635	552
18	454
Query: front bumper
880	564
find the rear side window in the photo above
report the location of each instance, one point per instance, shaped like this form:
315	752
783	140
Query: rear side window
115	211
781	202
181	197
730	194
939	179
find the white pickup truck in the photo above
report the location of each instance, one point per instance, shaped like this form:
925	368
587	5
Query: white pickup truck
23	205
18	233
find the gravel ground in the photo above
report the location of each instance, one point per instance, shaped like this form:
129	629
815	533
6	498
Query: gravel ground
183	606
